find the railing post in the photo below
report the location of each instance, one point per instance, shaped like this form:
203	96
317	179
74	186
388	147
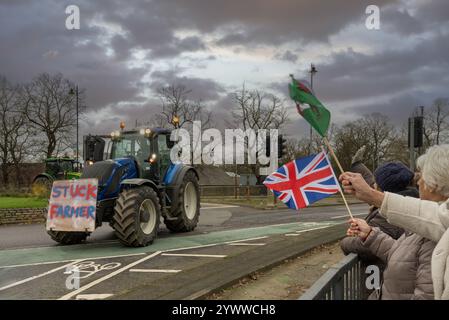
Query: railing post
339	289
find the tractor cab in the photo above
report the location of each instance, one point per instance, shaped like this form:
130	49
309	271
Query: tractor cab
149	148
62	168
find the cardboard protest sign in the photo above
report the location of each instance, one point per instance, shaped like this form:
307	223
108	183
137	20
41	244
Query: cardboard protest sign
72	205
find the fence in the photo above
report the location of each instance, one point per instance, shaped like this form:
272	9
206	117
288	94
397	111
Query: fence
343	281
233	191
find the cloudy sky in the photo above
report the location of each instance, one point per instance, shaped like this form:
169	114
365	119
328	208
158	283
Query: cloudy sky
125	50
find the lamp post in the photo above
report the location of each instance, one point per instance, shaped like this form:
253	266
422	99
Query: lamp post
75	92
312	72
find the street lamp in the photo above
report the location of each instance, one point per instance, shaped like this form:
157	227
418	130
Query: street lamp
75	92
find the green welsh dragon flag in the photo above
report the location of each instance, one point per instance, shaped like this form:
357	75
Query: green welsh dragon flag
317	115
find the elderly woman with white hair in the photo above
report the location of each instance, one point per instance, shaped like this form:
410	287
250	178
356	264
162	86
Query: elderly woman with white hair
428	218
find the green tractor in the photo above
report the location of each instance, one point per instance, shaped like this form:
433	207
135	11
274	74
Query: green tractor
55	169
138	185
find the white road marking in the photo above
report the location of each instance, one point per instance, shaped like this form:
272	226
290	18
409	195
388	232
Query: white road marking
307	230
219	207
213	244
72	260
108	276
347	215
250	239
93	296
246	244
155	270
38	276
291	234
194	255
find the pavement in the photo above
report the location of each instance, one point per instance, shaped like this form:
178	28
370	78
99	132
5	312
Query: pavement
229	243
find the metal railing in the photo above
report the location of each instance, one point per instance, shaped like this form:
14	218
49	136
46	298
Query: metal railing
234	191
343	281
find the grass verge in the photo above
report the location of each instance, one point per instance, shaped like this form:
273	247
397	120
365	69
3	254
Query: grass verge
22	202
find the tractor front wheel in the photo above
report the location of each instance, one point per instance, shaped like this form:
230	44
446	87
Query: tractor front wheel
64	237
186	212
136	216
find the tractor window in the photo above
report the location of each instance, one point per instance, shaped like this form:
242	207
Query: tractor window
52	168
134	145
66	166
164	154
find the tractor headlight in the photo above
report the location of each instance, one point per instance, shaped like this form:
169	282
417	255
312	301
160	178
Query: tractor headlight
142	131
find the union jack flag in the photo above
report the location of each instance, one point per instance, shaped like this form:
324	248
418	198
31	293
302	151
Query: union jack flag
303	181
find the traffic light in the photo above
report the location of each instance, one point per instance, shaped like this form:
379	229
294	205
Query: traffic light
267	146
282	146
416	131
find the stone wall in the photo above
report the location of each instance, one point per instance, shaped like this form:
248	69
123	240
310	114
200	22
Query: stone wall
22	215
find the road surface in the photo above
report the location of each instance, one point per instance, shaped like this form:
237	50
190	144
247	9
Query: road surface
229	240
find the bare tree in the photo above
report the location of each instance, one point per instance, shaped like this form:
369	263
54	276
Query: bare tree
50	109
374	131
436	126
8	105
295	148
256	110
14	131
176	102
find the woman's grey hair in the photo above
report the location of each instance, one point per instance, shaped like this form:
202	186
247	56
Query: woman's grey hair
434	167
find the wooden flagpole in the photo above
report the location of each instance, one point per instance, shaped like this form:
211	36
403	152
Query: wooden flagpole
326	142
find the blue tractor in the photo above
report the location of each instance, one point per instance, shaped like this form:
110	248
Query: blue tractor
137	185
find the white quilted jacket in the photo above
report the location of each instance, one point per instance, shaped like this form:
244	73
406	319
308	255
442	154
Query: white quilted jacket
429	220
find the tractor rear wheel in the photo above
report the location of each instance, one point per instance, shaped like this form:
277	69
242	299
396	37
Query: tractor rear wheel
41	187
186	212
136	218
64	237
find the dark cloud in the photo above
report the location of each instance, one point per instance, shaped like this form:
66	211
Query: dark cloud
287	56
389	72
400	21
201	89
267	21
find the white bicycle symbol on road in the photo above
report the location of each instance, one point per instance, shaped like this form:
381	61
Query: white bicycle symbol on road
86	269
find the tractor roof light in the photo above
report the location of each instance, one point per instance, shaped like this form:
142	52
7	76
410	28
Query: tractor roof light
122	125
115	134
145	132
175	121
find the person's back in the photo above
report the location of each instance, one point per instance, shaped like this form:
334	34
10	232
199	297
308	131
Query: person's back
407	274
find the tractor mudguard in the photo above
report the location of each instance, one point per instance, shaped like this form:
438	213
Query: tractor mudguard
44	175
139	182
175	179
